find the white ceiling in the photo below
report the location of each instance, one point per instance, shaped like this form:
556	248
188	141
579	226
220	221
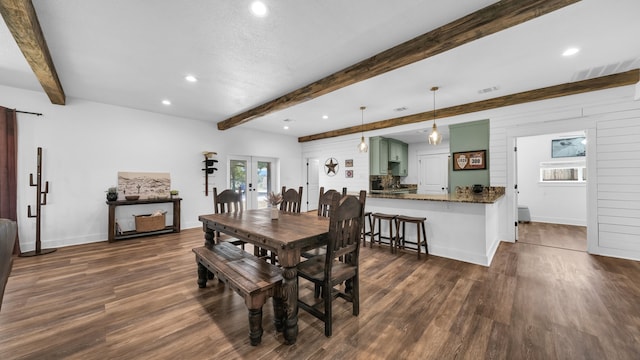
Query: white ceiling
137	53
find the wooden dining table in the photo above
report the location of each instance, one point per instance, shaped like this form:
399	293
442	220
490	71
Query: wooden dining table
288	236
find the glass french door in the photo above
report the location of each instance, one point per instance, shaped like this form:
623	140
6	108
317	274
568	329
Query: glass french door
254	178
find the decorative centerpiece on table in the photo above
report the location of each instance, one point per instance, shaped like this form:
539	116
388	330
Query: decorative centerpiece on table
112	193
274	200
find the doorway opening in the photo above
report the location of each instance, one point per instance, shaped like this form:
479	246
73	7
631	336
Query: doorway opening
551	195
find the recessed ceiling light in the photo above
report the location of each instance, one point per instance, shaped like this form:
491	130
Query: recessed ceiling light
285	127
570	51
259	9
166	102
190	78
325	116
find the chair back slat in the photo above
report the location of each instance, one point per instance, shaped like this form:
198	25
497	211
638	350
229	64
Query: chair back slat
291	200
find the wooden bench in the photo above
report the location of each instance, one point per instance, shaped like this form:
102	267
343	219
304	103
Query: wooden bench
251	277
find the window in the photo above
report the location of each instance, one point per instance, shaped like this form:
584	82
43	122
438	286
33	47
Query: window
563	171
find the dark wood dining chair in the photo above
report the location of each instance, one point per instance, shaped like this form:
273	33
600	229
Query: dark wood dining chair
291	200
224	202
324	204
324	201
340	263
291	203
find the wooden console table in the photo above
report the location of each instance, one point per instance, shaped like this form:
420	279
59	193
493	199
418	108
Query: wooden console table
173	228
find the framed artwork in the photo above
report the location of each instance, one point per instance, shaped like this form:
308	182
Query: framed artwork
331	166
145	184
348	174
470	160
569	147
348	163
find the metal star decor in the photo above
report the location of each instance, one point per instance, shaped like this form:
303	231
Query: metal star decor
331	166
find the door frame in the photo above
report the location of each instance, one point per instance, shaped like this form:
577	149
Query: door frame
533	129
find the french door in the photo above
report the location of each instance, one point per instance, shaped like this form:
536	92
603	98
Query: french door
254	177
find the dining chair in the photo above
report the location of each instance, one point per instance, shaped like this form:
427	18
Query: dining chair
225	202
324	204
324	201
291	203
340	263
291	200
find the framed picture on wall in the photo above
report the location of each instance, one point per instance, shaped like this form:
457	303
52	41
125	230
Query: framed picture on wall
470	160
569	147
348	173
348	163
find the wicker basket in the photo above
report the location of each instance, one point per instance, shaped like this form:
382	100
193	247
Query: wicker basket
147	222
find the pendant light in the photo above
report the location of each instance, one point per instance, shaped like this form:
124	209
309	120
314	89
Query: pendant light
363	147
435	137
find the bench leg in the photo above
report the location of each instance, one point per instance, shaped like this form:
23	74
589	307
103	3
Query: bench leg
255	326
203	275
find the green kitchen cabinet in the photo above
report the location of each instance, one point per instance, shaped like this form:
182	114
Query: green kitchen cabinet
395	150
398	158
378	156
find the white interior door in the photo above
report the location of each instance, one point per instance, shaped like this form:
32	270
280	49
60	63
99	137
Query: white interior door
313	183
433	174
254	177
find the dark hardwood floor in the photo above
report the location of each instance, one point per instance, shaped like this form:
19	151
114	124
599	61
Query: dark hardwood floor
138	299
556	235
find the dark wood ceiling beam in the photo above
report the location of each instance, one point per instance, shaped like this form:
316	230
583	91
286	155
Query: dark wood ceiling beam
630	77
489	20
22	21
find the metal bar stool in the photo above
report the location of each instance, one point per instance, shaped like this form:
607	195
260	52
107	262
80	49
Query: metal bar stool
365	233
392	224
401	221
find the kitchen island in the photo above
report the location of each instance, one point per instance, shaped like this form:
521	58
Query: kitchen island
463	227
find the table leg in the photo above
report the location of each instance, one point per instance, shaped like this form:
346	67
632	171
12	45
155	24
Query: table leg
208	238
290	299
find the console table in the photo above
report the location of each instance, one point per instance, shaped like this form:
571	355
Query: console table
173	228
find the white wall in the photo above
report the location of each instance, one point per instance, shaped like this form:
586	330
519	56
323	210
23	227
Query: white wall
558	203
86	144
342	148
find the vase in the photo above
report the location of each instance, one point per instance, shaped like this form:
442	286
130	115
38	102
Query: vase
275	213
112	196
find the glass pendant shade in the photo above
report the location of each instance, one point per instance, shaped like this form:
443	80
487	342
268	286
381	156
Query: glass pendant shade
363	147
435	137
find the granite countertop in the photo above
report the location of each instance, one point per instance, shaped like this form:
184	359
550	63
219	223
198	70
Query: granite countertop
484	198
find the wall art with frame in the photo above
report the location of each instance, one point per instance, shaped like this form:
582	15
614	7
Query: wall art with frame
470	160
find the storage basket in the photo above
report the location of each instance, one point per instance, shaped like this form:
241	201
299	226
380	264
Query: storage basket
149	222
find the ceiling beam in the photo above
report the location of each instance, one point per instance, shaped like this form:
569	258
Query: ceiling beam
489	20
630	77
22	21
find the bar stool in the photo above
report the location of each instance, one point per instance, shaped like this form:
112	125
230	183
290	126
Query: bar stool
401	221
392	224
365	233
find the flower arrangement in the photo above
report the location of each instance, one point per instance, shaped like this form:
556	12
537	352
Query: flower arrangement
274	199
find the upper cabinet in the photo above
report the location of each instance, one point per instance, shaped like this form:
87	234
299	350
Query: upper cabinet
388	155
378	156
395	150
